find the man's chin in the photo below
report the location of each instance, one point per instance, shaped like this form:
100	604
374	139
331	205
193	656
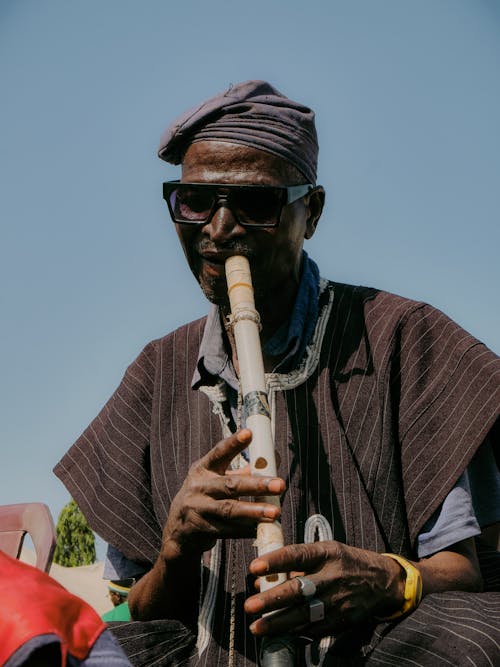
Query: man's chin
214	287
216	292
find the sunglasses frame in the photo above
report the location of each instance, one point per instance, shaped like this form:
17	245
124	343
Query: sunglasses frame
290	193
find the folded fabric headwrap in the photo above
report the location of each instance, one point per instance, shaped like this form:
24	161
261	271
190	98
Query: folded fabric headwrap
252	113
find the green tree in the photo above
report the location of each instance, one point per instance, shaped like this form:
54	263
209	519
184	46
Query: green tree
75	539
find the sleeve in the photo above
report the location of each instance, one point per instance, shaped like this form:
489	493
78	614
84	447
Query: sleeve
117	566
107	470
446	385
472	504
452	522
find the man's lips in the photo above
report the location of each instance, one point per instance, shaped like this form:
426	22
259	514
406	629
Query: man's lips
218	257
213	263
213	258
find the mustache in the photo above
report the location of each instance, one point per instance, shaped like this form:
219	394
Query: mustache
236	247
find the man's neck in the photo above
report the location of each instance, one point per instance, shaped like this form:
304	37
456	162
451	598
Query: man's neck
274	308
271	318
270	363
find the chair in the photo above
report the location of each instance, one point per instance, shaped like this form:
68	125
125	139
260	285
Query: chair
35	520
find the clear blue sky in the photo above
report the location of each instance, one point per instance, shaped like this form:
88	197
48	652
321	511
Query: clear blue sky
407	99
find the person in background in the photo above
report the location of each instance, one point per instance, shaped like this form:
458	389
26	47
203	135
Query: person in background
119	590
118	594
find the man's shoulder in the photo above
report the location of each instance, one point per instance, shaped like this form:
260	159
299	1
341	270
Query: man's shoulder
385	315
185	340
189	331
373	301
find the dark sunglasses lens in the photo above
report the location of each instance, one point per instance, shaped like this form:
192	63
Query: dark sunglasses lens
251	205
260	206
191	204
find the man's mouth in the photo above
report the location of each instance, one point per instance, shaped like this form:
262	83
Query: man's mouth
213	264
213	258
213	261
217	258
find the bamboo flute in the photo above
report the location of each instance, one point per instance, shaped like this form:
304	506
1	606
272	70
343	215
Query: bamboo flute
276	652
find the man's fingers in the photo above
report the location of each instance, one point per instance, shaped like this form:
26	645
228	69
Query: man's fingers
246	470
302	557
287	594
281	622
219	457
235	486
232	512
290	620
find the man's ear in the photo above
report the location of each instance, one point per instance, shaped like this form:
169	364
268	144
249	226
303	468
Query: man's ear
316	201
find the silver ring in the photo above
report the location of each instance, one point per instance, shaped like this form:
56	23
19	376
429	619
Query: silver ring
307	587
316	610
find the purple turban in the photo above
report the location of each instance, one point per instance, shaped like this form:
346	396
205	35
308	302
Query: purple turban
252	113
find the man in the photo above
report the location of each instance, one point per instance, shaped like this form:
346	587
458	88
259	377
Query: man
384	415
118	594
119	590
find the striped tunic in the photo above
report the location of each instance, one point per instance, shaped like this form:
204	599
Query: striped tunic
372	431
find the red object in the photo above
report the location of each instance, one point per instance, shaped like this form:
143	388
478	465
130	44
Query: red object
32	604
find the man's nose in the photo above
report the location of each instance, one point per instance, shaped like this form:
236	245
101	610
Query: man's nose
223	225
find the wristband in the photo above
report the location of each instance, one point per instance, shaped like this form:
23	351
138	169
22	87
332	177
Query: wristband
413	588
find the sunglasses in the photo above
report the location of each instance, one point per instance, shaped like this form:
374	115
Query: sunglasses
251	205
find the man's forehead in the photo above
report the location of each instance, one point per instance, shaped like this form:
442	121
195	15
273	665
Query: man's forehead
220	162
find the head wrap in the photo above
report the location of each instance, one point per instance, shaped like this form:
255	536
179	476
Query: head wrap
252	113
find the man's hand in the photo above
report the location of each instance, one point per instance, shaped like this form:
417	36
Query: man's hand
207	506
206	509
353	584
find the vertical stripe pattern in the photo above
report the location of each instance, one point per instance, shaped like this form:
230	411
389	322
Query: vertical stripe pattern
389	390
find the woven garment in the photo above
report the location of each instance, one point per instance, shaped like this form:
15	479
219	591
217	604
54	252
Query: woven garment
372	430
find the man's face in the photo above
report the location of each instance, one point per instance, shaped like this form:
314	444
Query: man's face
274	253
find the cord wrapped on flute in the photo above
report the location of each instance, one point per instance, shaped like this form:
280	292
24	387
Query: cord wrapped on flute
245	323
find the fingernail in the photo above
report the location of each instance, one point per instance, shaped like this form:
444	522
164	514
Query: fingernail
259	627
270	512
259	565
274	485
253	606
242	436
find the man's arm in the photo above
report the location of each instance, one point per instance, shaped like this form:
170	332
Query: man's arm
456	568
355	585
169	590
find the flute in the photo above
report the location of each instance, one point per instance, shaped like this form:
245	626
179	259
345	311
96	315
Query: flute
245	324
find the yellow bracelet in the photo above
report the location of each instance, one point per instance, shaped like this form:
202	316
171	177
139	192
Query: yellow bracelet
413	588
